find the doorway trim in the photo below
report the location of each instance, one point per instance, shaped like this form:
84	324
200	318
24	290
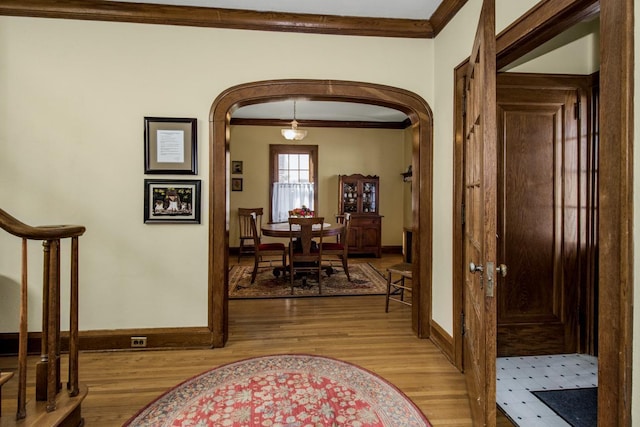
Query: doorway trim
615	184
218	190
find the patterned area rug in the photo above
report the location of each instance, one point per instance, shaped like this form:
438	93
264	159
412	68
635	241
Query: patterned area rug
283	390
365	280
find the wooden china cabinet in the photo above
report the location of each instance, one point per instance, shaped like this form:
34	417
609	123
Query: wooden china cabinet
359	196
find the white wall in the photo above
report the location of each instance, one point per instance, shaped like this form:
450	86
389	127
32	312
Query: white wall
73	97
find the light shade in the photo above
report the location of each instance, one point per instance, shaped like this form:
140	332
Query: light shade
293	133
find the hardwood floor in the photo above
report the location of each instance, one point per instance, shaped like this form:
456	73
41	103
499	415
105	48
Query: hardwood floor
354	329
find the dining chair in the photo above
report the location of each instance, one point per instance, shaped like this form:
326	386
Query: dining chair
397	294
265	250
245	231
305	254
340	248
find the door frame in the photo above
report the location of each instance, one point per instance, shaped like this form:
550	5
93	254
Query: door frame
218	190
547	19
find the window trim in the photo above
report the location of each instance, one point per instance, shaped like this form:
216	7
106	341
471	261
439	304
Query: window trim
275	150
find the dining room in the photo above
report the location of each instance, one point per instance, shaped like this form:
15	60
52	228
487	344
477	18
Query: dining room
381	152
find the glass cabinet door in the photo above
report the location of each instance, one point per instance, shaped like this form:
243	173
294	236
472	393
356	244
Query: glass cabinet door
350	197
369	197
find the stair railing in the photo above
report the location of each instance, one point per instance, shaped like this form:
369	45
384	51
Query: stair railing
48	369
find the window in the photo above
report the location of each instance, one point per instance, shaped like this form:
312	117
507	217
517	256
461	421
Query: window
293	182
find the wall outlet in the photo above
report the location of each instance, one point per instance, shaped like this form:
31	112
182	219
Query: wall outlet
138	341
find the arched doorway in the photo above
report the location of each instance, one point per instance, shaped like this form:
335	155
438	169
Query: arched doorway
421	119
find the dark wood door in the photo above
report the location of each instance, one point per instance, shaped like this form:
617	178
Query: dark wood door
541	188
479	349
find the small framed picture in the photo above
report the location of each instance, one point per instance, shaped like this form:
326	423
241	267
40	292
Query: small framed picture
170	146
236	184
172	201
236	167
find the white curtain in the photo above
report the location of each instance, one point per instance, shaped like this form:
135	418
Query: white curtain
287	196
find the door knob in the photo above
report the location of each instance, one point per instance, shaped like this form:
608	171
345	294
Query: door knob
502	270
475	268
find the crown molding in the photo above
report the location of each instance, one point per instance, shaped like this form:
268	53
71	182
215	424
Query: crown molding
322	123
444	13
145	13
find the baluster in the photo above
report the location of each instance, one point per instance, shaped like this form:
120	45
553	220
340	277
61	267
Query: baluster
58	317
22	345
73	385
41	366
51	332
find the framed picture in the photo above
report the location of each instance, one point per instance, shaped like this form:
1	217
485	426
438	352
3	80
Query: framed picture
172	201
236	167
170	146
236	184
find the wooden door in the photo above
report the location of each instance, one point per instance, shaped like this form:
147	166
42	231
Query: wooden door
479	343
543	188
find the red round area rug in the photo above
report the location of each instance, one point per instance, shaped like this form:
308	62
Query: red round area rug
283	391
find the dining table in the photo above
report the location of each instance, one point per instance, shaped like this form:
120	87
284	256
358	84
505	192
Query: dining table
281	229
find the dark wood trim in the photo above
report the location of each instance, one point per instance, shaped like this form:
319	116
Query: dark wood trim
166	338
540	24
545	81
322	123
445	13
616	213
392	250
118	339
589	300
411	104
99	10
458	212
441	339
9	343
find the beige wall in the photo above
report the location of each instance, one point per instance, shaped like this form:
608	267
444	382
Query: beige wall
340	152
73	98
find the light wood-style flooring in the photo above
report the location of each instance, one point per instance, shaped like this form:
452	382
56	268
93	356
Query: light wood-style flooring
353	329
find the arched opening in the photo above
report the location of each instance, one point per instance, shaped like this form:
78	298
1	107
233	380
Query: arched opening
218	189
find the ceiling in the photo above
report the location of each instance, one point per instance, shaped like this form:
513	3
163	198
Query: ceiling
397	9
328	111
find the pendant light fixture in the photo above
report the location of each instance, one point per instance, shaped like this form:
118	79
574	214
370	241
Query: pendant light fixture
293	133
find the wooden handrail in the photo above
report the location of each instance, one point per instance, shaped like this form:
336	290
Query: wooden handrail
45	232
48	369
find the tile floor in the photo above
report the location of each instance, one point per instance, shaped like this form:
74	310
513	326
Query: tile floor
519	376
